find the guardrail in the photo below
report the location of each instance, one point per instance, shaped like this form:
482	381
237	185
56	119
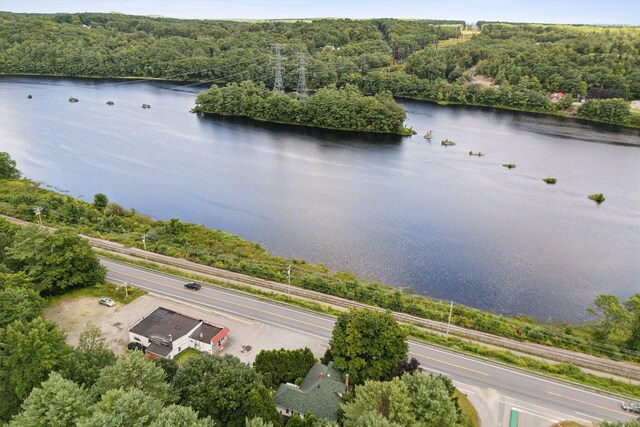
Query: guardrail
551	353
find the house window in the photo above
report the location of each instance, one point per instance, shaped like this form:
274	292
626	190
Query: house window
179	349
136	338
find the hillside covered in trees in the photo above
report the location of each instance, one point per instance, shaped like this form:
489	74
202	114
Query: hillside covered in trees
503	65
500	65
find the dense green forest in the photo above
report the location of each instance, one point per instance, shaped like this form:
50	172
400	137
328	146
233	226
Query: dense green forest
499	65
344	109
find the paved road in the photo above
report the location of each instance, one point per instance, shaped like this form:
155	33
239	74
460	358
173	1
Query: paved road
498	387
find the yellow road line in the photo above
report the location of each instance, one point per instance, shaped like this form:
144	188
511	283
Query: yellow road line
590	404
449	364
289	318
229	302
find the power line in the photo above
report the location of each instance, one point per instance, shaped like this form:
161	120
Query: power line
278	85
302	77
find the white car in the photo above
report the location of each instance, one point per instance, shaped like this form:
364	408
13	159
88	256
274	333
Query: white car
631	407
107	301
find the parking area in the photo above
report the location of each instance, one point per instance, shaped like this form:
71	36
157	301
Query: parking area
245	340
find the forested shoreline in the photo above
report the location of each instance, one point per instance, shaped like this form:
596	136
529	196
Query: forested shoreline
500	65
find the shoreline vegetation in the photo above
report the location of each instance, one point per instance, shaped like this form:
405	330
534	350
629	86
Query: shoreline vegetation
343	109
536	68
216	248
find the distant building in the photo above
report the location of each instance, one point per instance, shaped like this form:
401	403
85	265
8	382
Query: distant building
635	105
166	333
555	97
320	393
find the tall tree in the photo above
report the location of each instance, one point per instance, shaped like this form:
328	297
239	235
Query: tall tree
56	403
431	401
119	407
367	345
18	303
84	363
182	416
282	366
261	405
389	400
100	201
8	168
29	352
612	320
55	261
217	386
134	370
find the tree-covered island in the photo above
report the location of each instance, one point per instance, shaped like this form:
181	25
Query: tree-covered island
342	109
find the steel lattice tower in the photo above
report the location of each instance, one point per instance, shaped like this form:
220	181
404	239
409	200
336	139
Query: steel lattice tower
302	77
278	85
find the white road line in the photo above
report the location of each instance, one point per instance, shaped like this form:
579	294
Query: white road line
590	416
204	304
220	290
416	344
553	420
519	373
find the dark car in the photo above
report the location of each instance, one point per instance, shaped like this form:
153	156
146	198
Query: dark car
192	285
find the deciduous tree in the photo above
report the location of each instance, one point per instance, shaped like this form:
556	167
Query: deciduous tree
57	402
217	386
134	370
367	345
55	261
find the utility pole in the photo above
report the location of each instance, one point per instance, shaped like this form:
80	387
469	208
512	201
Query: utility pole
302	77
449	322
289	279
144	242
278	85
38	211
394	51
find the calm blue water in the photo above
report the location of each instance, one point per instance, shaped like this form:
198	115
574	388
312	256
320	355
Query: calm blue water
403	211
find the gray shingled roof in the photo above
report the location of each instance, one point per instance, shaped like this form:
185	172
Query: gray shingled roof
159	349
321	396
207	331
162	323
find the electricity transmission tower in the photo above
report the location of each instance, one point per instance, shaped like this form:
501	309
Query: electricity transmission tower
302	77
278	85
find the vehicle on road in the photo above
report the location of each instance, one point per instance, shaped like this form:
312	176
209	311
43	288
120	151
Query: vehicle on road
631	407
193	285
107	301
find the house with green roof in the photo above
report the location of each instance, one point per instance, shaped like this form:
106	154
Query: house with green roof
320	393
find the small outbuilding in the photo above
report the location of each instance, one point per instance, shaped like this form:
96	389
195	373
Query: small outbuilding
165	333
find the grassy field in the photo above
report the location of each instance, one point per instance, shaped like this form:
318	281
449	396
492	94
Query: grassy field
470	416
116	293
466	36
184	355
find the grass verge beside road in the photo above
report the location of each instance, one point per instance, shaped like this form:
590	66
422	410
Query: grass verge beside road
109	290
563	371
470	416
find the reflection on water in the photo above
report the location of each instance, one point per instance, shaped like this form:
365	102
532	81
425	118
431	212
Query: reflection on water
404	211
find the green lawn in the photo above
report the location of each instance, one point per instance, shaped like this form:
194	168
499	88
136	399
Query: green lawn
103	290
184	355
469	414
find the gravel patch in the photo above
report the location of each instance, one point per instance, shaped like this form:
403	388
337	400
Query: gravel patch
72	315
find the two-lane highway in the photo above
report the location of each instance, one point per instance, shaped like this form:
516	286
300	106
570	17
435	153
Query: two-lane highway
547	398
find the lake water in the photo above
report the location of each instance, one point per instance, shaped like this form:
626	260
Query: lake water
403	211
